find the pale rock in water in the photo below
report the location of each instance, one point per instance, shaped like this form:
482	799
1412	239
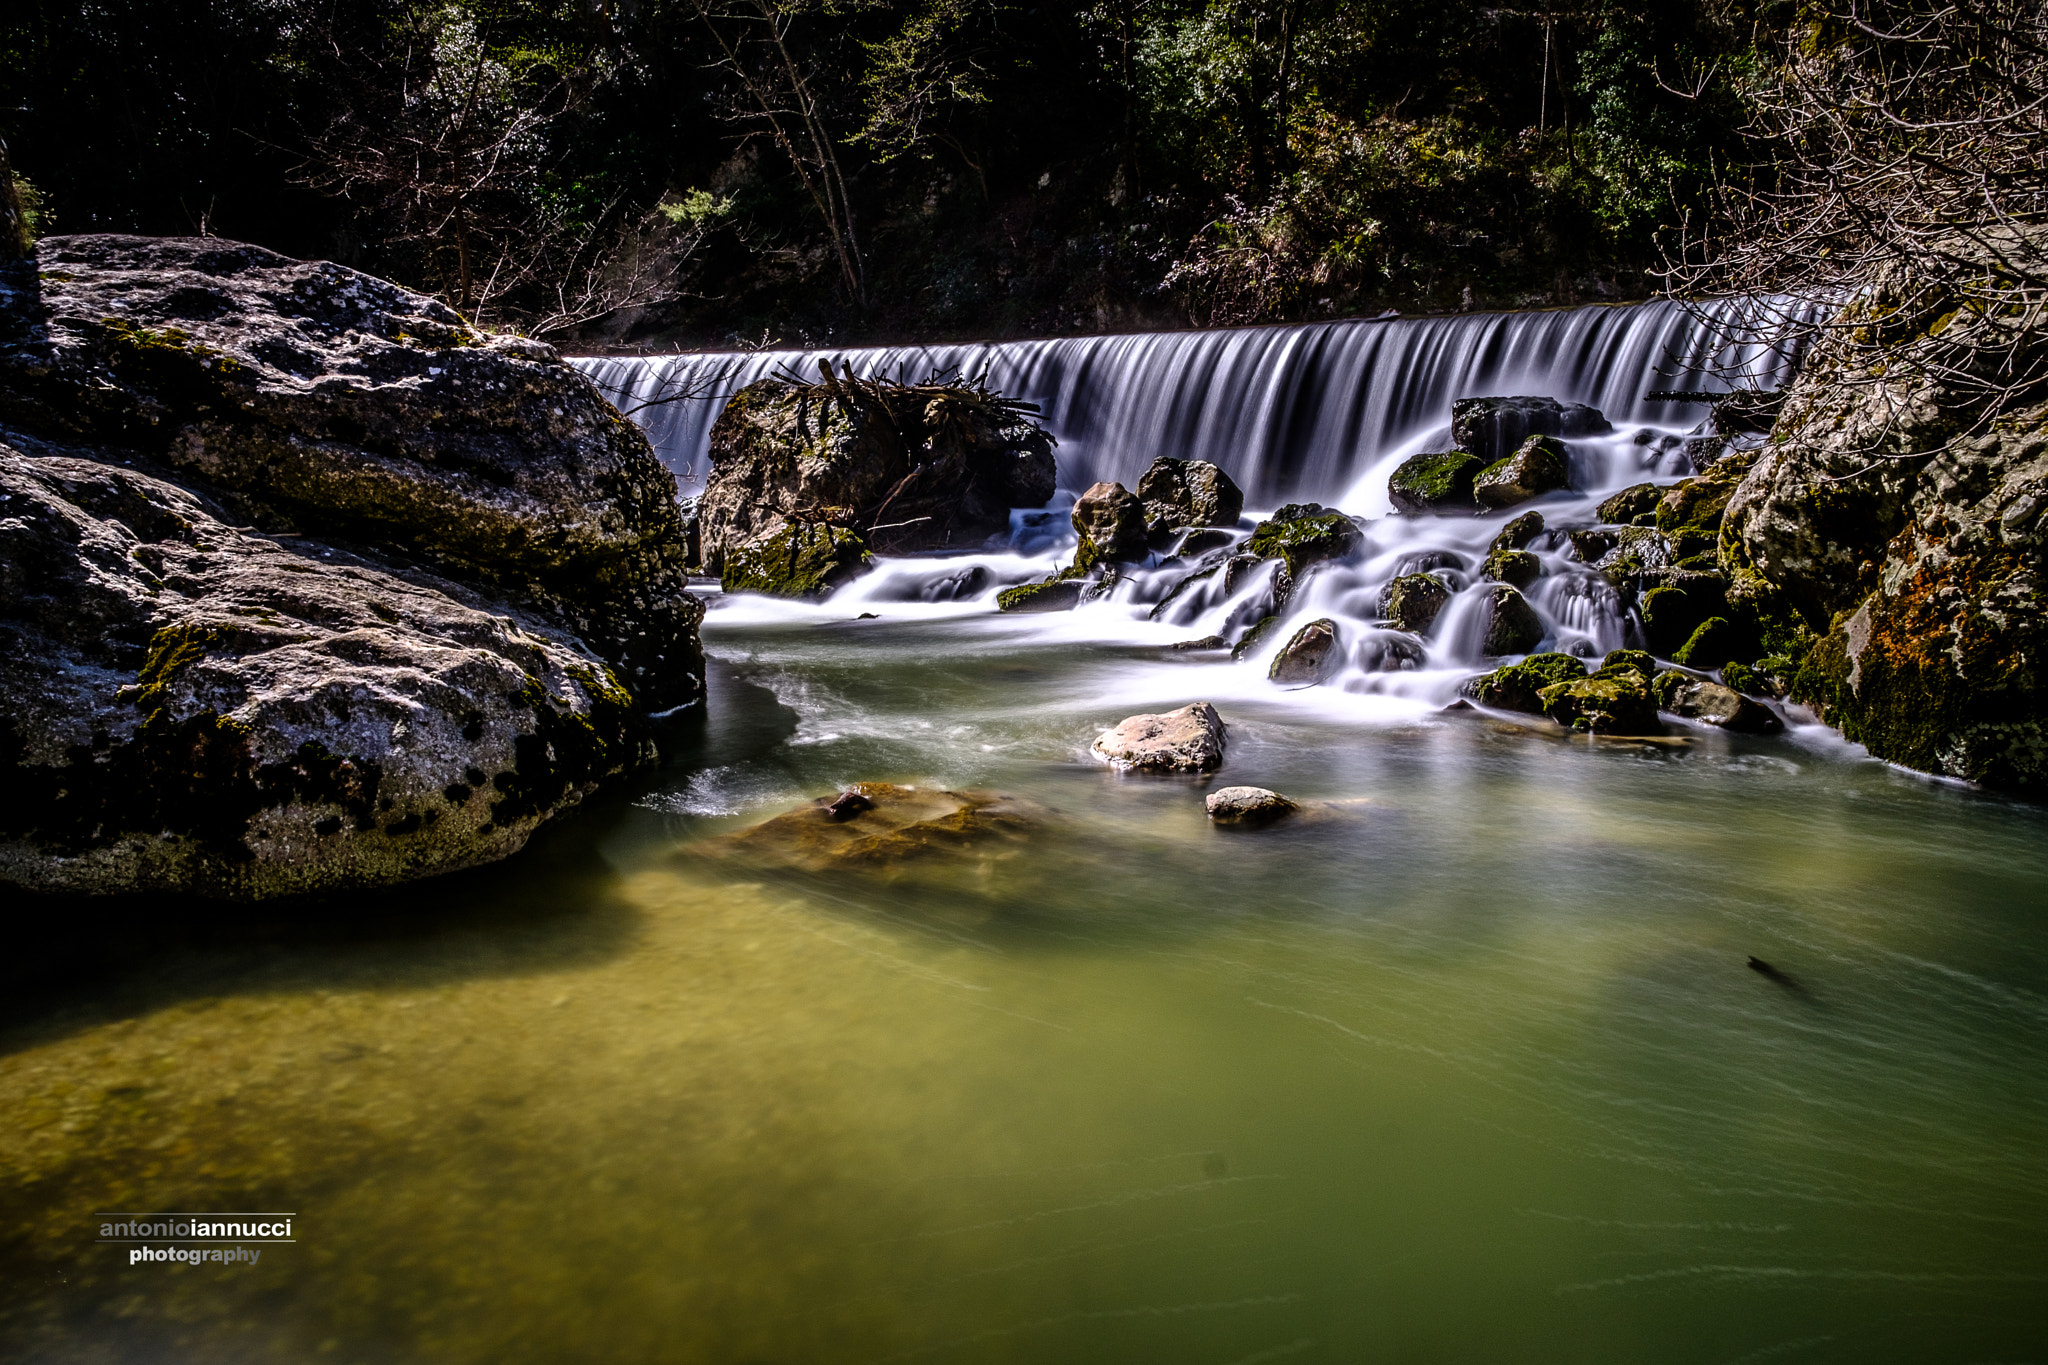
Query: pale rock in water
1187	740
1246	805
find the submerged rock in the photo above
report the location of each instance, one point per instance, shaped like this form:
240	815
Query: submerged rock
1537	467
1307	658
1491	428
1063	594
1702	700
1187	740
1512	625
884	828
1246	806
1183	493
1433	484
1413	601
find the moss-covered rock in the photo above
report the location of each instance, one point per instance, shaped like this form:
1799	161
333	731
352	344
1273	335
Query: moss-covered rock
1608	703
1412	601
1052	595
1672	611
1434	484
1305	534
1512	625
1537	466
804	559
1249	642
1627	661
1517	568
1519	533
1715	642
1635	505
1519	687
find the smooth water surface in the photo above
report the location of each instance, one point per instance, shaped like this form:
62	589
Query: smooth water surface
1465	1066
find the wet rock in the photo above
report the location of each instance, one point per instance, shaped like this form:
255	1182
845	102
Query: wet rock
1517	568
1246	806
892	828
802	559
1518	533
1492	427
1187	740
905	468
1053	595
1671	612
1519	687
1636	661
1201	541
1384	651
1206	642
1309	657
1512	625
1713	644
1252	639
1413	601
1590	547
1302	535
1180	493
1111	523
1690	514
1434	484
1611	702
1751	681
1699	699
1635	505
307	397
188	709
1537	467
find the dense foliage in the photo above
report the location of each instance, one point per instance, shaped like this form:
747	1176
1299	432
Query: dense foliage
625	172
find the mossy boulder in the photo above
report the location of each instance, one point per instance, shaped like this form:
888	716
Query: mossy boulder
1051	595
1302	535
1713	704
1616	702
1519	533
1715	643
1537	466
803	559
1512	625
1256	636
1635	505
1673	610
1627	660
1309	656
1435	483
1519	687
1517	568
1412	601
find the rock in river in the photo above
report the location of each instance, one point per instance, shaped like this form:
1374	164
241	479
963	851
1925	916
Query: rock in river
1307	658
1536	468
1710	702
1246	805
1187	740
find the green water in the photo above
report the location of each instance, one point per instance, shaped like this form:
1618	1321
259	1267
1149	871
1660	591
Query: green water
1467	1068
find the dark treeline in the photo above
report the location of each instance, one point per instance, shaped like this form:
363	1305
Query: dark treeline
701	172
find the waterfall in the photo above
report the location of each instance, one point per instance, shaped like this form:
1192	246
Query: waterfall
1311	411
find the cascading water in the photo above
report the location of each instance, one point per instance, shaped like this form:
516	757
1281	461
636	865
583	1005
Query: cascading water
1319	412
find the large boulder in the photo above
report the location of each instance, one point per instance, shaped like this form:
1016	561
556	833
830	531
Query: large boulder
185	707
1512	625
306	584
309	397
1184	493
1413	601
1302	535
1519	687
1493	428
901	467
1187	740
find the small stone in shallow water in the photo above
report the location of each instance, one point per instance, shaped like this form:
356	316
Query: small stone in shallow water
1710	702
1246	805
1187	740
847	805
1206	642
